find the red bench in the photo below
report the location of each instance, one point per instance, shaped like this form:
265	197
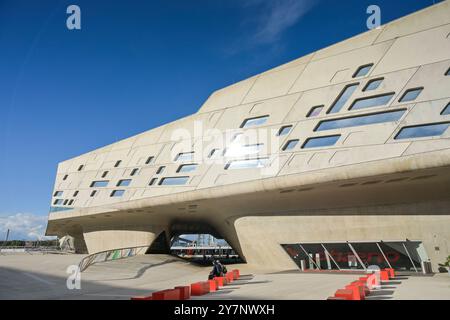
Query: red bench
169	294
199	288
185	292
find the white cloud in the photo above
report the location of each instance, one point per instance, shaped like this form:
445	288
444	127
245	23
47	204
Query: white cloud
278	16
23	226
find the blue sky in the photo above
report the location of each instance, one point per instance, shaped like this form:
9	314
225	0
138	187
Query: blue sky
133	66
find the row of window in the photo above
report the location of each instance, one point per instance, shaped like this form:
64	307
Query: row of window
63	202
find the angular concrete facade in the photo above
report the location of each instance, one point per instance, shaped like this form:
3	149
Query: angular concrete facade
349	143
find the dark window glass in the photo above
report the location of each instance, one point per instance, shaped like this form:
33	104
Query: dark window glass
105	174
134	171
153	181
93	193
75	193
80	167
118	162
149	160
65	177
58	194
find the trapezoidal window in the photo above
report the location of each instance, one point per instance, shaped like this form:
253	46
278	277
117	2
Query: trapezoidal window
291	144
118	162
187	167
362	120
123	183
315	111
173	181
75	193
134	171
149	160
117	193
93	193
70	202
284	130
371	102
411	94
58	202
247	164
213	152
65	177
448	72
185	156
363	70
373	84
446	110
99	184
420	131
153	181
58	193
104	174
80	167
253	122
237	150
318	142
343	97
160	169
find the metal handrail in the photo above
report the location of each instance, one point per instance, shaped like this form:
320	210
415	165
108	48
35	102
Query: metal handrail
110	255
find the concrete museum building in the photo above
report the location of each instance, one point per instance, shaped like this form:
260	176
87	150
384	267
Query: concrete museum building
342	155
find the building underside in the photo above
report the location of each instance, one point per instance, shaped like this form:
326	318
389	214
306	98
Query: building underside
351	162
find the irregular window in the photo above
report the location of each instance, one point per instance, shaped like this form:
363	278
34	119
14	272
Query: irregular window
284	130
253	122
246	164
153	181
315	111
446	110
321	141
173	181
58	193
373	101
187	168
373	84
411	95
160	170
149	160
185	156
99	184
343	98
123	183
426	130
117	193
291	144
363	70
362	120
236	150
134	171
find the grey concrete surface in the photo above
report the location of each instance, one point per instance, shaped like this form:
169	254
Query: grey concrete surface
25	276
